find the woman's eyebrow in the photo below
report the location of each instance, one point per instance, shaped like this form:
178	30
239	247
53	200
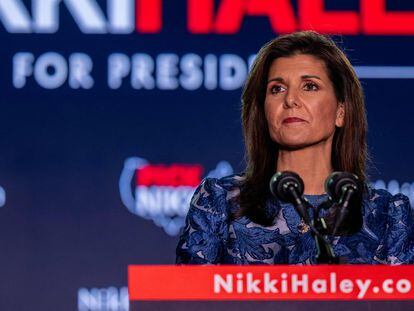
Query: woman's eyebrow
310	76
277	79
280	79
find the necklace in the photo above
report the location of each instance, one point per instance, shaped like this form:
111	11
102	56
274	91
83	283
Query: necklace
304	227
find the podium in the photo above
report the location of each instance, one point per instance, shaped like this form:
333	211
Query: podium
281	287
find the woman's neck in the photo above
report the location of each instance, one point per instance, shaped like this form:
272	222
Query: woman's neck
313	164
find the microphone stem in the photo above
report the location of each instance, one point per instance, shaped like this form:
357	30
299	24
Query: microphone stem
343	207
348	193
300	207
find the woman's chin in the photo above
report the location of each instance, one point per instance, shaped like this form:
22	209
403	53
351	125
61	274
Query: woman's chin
295	144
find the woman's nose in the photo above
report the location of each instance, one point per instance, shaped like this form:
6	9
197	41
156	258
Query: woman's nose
291	100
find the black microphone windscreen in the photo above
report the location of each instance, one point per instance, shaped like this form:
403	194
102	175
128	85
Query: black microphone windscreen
336	181
280	181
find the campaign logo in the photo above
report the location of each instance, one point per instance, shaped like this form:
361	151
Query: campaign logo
162	192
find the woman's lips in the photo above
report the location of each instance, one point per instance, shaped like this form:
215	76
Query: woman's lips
293	120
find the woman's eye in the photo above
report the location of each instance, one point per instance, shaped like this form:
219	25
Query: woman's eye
275	89
310	86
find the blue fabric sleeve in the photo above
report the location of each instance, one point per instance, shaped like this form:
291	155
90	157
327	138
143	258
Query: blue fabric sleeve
399	236
201	242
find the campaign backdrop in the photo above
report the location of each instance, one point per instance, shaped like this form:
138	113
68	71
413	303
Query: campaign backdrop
113	111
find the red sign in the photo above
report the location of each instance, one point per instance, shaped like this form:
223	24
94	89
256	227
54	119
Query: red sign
322	282
207	17
372	19
169	175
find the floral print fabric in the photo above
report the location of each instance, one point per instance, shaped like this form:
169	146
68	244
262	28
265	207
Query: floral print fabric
210	237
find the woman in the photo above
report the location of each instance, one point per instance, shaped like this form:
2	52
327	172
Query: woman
303	111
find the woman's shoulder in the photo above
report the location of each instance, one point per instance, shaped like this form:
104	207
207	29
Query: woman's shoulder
383	200
214	195
382	195
206	223
232	182
397	228
227	184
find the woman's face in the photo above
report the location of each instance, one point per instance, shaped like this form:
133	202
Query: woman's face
300	105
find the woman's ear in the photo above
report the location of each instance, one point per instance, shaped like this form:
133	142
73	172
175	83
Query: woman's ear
340	115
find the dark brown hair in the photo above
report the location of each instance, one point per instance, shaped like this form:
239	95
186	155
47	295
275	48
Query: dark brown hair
349	149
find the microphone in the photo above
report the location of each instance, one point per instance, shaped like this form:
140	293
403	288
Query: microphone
288	187
342	187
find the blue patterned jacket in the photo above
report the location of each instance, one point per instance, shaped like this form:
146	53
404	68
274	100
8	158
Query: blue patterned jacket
210	237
